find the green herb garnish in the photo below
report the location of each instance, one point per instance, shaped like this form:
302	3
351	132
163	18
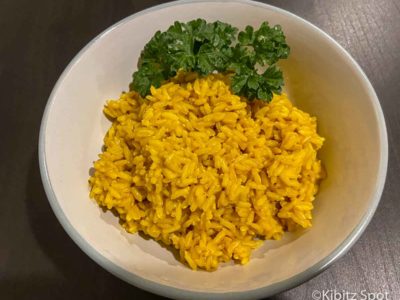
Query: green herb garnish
197	46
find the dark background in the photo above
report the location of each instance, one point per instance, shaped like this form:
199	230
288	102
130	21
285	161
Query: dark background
38	39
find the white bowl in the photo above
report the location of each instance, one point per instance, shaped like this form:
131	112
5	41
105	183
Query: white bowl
321	78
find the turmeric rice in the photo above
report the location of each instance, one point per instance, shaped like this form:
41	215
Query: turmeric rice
198	168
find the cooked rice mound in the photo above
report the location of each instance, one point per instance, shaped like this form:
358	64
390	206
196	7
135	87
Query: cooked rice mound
202	170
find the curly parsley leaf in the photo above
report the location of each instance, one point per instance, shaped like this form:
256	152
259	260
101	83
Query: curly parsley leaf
198	46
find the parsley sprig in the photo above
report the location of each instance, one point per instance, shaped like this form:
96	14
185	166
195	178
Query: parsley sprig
250	56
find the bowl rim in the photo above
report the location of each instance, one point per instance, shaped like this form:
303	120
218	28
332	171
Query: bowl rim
177	293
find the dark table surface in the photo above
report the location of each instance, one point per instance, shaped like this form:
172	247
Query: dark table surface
38	39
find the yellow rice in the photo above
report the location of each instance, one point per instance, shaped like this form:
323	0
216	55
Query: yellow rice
202	170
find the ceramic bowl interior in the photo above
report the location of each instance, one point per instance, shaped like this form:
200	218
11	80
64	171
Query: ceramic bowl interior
321	78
